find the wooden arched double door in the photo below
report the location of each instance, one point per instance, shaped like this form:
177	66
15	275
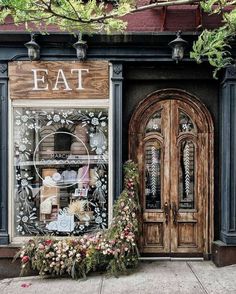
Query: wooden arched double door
171	139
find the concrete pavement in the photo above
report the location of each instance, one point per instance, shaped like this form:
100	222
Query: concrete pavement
190	277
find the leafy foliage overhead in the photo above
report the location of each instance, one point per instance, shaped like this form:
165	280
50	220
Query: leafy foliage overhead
88	16
215	44
76	15
68	15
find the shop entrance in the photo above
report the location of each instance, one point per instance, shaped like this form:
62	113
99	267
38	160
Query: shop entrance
171	139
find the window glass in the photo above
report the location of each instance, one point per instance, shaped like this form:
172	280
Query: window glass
154	124
153	175
186	175
60	170
186	125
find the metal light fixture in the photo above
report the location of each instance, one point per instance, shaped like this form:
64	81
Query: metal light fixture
178	46
81	48
33	49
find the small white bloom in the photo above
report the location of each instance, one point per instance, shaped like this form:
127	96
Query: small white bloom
98	184
95	121
98	220
24	118
22	147
25	219
18	122
56	118
24	183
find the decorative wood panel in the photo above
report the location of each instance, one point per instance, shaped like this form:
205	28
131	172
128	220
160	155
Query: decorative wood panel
179	181
59	79
187	234
153	234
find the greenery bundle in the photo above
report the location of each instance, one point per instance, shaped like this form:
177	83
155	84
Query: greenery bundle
114	249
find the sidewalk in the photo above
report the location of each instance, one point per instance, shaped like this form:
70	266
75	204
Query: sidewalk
157	277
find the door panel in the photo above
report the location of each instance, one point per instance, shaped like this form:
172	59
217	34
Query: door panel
169	141
153	161
186	192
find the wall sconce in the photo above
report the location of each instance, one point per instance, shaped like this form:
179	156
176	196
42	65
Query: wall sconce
33	49
178	46
81	48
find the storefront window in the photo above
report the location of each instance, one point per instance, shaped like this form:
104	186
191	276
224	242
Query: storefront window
60	170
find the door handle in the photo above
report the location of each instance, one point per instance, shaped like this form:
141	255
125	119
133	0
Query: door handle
166	209
175	213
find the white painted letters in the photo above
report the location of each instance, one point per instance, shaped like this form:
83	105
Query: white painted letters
39	79
79	71
61	79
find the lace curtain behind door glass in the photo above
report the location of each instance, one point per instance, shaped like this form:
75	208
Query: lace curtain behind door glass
186	175
153	176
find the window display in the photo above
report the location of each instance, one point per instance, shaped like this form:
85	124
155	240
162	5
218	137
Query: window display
61	170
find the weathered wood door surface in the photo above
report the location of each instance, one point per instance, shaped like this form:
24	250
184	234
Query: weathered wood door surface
172	143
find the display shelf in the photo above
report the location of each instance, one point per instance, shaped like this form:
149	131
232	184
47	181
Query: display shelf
81	159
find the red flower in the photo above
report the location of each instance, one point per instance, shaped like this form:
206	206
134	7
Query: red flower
25	259
48	242
25	285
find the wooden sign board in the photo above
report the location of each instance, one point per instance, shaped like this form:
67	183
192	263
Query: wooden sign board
59	80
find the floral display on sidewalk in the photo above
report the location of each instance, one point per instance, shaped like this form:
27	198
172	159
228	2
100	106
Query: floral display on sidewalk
114	250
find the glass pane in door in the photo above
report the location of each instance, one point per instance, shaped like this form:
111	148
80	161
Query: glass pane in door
153	175
185	124
154	124
186	175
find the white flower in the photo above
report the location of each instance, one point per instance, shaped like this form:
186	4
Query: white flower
24	183
24	118
56	118
95	121
25	219
49	117
81	227
98	220
99	151
18	122
103	124
91	114
18	177
25	141
19	228
98	184
22	147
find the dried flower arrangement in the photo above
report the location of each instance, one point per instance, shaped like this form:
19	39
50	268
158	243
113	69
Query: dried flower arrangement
114	249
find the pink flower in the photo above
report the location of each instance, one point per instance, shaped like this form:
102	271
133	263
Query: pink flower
41	247
26	285
25	259
48	242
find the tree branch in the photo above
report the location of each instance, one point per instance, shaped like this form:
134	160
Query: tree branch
145	7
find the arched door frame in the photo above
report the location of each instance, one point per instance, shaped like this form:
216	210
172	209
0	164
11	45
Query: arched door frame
143	112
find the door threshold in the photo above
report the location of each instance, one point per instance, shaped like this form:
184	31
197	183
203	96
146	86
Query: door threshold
173	258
